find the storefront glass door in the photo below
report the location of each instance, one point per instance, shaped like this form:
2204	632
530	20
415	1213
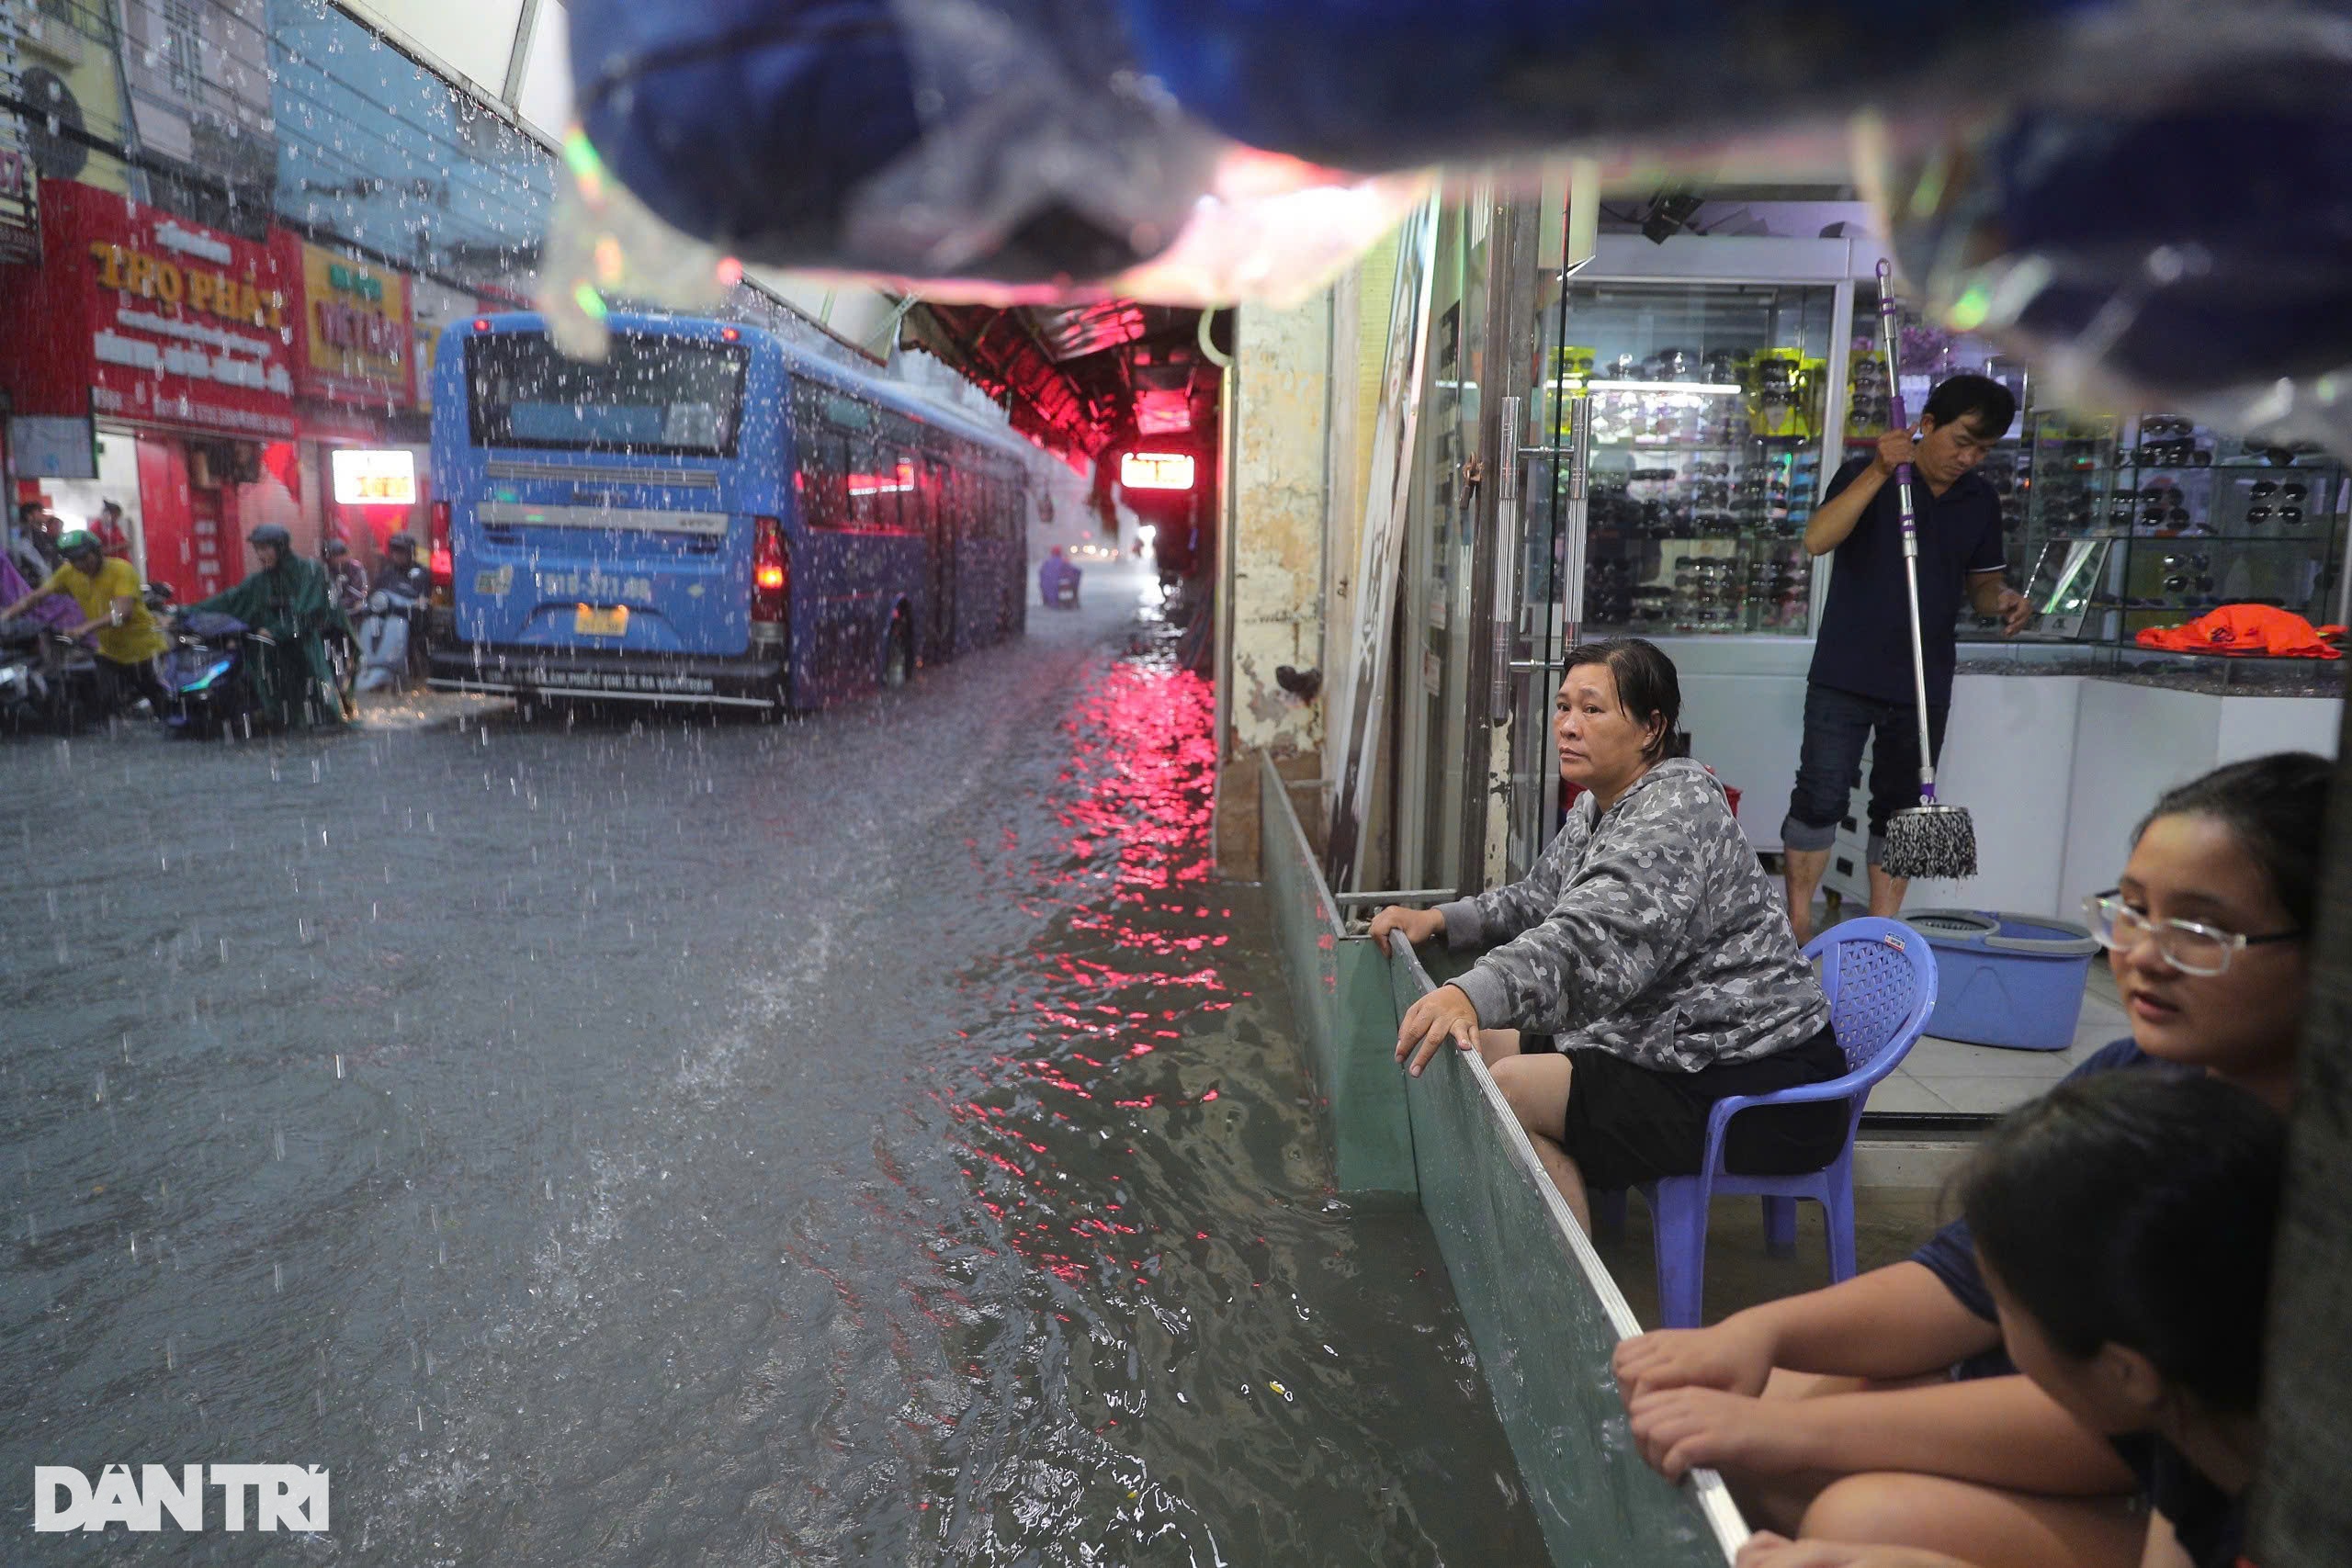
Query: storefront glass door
1433	670
1674	452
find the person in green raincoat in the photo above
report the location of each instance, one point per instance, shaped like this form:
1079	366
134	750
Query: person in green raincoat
293	600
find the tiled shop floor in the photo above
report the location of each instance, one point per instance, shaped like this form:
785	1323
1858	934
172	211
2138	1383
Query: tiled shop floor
1948	1076
1888	1222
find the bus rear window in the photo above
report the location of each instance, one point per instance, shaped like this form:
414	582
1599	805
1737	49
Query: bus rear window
652	394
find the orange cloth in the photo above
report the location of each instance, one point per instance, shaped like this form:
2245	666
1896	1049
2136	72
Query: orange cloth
2247	629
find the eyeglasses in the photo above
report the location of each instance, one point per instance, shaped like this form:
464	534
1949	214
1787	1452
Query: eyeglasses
2291	516
2164	424
2271	487
2188	946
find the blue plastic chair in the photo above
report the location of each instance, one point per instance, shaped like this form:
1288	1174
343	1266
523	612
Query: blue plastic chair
1881	979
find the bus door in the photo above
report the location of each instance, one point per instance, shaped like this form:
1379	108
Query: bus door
934	496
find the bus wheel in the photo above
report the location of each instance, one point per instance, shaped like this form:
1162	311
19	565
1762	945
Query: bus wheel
899	663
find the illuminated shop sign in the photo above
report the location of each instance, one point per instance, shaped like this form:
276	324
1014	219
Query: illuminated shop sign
365	477
1156	471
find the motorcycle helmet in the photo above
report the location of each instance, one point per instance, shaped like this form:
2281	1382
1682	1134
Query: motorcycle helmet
80	539
402	541
271	534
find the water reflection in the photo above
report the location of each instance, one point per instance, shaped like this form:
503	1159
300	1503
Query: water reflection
636	1140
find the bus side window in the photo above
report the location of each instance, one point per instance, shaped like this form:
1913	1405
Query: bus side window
824	499
925	503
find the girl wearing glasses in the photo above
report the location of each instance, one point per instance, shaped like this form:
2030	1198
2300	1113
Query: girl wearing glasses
1881	1409
2124	1224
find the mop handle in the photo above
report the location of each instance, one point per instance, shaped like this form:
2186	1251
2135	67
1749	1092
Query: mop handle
1886	331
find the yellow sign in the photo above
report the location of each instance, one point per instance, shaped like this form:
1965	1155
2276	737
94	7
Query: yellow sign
358	318
1156	471
364	478
212	292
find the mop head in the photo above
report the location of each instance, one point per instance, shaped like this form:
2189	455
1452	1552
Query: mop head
1931	841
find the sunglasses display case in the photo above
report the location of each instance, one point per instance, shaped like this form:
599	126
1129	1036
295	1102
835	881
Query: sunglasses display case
1708	414
2194	520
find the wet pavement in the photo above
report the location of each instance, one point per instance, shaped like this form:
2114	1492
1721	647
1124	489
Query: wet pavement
627	1138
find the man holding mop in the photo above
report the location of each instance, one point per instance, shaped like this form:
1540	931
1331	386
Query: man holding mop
1861	688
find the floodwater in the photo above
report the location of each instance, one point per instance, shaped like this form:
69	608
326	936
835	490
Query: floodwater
876	1138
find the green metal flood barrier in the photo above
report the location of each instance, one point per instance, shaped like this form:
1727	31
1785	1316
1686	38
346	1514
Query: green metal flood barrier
1543	1312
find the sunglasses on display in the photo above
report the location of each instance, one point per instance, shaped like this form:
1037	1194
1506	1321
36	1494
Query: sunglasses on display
2289	516
2176	515
2187	563
2291	491
2166	425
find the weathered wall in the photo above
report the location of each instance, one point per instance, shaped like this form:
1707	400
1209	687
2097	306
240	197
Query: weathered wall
1360	302
1280	477
1277	474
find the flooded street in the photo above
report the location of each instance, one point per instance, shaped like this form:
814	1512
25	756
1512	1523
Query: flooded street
874	1138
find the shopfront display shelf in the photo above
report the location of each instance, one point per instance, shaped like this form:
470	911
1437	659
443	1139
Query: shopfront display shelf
2186	535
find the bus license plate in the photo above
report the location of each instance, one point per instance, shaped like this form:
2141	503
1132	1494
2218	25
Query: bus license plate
589	621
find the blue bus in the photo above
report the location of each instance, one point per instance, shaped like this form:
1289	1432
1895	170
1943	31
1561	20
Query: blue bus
708	516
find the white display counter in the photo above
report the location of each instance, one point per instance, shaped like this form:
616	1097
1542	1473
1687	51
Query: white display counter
2056	766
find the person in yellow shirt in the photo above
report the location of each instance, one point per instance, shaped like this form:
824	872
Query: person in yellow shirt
107	590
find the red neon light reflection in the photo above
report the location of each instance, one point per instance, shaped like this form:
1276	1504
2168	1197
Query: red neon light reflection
883	484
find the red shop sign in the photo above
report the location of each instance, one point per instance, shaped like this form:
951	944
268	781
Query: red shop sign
140	315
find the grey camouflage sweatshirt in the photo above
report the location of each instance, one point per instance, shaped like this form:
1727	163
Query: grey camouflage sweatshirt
1652	933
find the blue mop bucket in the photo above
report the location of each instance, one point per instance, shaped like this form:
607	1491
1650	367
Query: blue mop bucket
2009	980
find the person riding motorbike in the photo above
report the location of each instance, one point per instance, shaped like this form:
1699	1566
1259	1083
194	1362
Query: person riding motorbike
106	589
1057	578
394	602
349	577
292	600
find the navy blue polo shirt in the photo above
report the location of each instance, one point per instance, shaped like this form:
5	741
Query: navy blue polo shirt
1864	644
1951	1253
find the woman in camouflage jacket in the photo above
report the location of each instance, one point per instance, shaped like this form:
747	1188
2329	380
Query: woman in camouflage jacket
1644	969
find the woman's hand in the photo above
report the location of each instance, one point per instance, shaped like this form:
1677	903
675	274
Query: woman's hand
1734	1356
1418	925
1683	1429
1765	1550
1445	1013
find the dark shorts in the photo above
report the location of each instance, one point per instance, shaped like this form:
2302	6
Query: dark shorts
127	682
1628	1124
1838	724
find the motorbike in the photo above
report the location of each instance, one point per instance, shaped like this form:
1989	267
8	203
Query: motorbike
386	631
53	682
203	671
25	686
207	672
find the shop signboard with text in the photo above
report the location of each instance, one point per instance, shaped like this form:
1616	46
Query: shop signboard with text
19	208
144	317
353	340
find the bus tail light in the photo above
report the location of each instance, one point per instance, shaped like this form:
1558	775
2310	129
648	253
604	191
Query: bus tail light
771	571
440	563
